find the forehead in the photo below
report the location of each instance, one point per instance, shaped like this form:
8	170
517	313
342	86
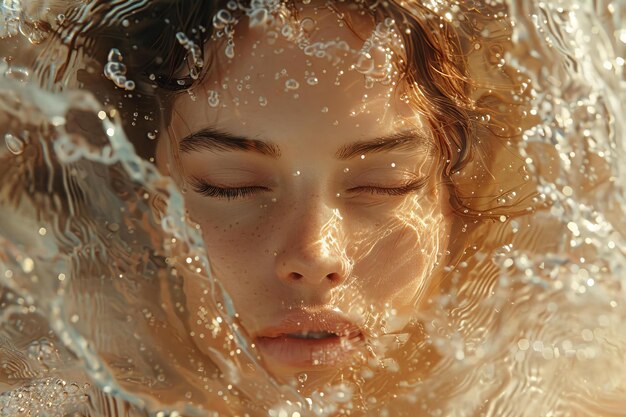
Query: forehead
280	87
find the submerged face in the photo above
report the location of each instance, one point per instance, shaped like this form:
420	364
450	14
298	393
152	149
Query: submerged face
319	197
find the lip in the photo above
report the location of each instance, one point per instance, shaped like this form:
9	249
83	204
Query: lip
277	346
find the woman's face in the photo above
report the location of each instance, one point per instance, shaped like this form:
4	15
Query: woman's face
319	199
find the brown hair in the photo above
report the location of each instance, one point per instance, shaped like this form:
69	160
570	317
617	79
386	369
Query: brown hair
436	69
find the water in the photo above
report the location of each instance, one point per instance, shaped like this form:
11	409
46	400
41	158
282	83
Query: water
527	318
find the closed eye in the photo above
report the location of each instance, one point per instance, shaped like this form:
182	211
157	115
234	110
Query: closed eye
407	188
228	193
231	193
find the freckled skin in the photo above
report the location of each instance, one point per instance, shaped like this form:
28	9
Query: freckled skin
383	249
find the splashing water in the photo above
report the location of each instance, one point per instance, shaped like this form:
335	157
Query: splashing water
529	319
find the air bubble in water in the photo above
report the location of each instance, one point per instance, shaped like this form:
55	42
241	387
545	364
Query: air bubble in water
307	24
229	51
312	81
18	74
14	144
262	101
214	98
194	54
292	84
115	70
222	18
258	17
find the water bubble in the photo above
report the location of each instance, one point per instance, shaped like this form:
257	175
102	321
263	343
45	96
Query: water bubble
14	144
229	51
115	70
302	377
312	81
287	30
258	17
307	24
324	109
262	101
17	73
222	18
292	84
214	98
28	265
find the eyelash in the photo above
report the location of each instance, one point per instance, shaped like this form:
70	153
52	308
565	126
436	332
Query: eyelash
208	190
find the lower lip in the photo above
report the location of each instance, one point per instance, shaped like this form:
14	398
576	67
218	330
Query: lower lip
305	353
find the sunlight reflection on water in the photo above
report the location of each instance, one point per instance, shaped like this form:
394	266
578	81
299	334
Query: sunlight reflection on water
529	317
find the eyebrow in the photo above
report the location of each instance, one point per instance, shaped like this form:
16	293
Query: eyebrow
216	140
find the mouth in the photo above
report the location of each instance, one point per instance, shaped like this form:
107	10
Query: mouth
310	340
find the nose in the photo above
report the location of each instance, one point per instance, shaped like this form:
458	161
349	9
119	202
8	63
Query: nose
313	255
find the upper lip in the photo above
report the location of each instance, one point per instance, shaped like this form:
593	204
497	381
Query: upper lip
320	320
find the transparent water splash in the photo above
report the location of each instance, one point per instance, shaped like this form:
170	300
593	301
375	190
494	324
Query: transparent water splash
92	235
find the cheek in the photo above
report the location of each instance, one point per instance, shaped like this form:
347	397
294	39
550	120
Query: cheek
239	246
401	261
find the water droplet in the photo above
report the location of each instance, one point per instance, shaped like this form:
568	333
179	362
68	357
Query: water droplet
292	84
324	109
307	24
14	144
222	19
312	80
302	377
258	17
18	74
287	30
262	101
28	265
568	191
229	51
214	98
